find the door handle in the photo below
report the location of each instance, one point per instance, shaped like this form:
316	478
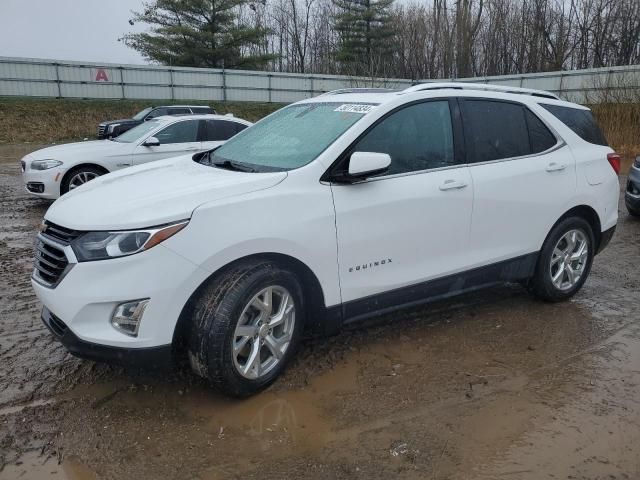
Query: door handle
555	167
192	148
452	185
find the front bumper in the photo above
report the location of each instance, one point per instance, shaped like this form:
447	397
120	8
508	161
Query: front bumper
632	191
152	357
46	181
88	295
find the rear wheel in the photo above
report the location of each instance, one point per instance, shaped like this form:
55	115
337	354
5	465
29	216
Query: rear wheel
245	327
79	176
565	260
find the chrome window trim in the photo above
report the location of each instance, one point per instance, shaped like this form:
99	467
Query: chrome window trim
557	146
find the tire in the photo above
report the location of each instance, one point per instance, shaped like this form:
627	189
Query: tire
633	213
73	177
567	284
229	301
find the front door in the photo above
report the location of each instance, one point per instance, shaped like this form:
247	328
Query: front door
176	139
411	224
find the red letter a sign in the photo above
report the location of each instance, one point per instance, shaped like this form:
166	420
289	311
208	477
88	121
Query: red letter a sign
101	75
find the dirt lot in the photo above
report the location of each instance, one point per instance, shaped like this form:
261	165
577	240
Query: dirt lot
493	385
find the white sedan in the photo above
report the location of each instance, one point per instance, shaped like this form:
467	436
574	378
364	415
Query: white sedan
53	171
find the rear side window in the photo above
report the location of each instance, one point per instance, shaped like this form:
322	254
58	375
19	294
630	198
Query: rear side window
494	130
540	137
220	130
418	137
202	110
179	111
580	121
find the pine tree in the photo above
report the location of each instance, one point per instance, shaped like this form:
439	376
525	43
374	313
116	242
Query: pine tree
365	33
197	33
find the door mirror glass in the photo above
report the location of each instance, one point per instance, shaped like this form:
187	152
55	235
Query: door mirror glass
366	164
151	142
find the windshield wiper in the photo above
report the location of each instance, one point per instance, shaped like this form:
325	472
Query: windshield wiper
231	165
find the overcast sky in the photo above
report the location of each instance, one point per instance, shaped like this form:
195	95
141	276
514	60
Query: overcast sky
68	29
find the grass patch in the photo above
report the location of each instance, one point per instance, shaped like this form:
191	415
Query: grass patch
43	121
621	125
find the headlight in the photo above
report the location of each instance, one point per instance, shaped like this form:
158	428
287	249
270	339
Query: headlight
45	164
112	127
102	245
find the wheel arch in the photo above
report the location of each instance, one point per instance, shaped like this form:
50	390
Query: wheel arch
312	290
75	168
587	213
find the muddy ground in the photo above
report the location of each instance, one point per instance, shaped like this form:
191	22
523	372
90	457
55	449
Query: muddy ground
492	385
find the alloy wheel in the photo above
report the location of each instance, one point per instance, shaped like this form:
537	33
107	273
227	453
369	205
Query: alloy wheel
263	332
569	259
81	178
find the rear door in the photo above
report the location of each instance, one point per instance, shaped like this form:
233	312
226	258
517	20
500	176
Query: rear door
411	224
176	139
523	177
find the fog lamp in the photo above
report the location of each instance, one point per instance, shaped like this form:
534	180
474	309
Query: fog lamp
126	317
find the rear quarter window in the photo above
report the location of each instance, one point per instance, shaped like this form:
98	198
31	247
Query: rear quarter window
581	122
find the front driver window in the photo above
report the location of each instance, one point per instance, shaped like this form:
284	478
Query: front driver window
418	137
157	112
179	132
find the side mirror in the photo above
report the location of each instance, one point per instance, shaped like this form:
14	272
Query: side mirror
366	164
151	142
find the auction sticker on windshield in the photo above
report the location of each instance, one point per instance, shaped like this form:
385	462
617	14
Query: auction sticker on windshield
354	108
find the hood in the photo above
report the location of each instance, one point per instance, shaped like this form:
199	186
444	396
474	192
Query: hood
152	194
60	152
121	121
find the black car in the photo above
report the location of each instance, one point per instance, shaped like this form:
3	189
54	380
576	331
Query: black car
632	193
116	127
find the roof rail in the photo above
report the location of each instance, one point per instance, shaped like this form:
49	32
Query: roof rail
481	87
358	90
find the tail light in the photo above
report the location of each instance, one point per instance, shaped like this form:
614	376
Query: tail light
614	161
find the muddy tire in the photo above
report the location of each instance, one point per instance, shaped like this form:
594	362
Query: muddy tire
78	176
565	260
245	327
633	213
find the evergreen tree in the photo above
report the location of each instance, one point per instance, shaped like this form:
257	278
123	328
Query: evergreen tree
197	33
365	33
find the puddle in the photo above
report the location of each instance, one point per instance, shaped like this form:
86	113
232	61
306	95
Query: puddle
33	466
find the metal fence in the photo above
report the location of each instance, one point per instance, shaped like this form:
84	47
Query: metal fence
66	79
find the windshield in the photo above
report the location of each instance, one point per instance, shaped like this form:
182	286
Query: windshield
291	137
137	132
142	114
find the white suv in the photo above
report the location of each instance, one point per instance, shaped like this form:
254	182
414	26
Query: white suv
344	206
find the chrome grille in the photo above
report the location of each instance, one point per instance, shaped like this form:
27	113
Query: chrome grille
51	262
57	232
101	130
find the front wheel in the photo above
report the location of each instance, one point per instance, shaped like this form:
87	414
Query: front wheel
79	176
565	260
246	326
633	212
